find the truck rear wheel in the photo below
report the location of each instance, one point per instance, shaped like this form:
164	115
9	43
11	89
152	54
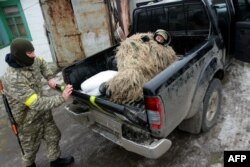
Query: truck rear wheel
211	105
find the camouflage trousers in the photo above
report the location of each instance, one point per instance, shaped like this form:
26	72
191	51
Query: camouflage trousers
31	134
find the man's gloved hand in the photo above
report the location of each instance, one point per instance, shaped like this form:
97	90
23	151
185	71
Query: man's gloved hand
52	83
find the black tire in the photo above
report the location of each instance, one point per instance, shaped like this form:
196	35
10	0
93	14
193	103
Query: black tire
211	105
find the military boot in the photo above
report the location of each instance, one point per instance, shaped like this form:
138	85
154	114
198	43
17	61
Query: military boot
33	165
60	162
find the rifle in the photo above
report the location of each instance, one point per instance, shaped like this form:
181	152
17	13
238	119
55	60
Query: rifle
104	104
11	118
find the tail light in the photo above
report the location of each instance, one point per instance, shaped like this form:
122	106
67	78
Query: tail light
155	112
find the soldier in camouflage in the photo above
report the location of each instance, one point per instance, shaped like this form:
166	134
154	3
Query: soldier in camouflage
30	108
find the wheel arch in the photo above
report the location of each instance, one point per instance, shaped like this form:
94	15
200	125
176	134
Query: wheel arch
213	69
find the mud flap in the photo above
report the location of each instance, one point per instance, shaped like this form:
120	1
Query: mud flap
193	124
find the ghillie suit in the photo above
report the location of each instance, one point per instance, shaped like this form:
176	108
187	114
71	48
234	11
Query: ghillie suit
138	61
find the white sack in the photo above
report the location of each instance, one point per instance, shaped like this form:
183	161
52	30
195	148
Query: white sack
91	86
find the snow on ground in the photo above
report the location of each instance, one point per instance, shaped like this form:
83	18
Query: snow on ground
232	132
235	126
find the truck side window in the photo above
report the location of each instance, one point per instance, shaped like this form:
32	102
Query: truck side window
197	20
223	15
243	10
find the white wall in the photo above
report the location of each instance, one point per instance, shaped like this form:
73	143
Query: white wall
34	18
3	64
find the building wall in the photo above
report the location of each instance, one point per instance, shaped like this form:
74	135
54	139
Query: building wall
34	18
77	28
64	35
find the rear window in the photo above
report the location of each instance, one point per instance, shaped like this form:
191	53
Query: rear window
181	19
197	20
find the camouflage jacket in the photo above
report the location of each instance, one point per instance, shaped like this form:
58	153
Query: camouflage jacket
23	88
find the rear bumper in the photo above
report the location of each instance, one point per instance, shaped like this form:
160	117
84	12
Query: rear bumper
153	151
111	128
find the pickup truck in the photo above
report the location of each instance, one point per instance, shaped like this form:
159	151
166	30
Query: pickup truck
187	94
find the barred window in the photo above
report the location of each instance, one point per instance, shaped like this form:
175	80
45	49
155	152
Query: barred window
13	23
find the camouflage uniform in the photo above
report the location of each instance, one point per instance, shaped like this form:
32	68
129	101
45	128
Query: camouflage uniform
32	110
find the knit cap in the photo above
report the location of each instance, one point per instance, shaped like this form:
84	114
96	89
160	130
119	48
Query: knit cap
18	49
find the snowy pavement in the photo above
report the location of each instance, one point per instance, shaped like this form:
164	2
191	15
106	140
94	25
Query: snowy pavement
232	132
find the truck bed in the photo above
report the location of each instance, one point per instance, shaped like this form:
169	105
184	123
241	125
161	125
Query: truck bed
82	70
78	72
